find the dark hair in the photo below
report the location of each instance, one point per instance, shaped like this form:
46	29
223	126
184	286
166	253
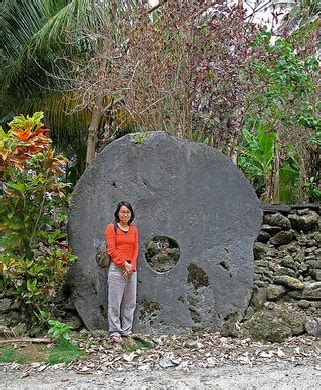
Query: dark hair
128	205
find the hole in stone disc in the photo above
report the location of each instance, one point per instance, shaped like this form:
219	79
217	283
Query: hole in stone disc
162	253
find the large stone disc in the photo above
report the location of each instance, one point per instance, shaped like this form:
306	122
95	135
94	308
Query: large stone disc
188	192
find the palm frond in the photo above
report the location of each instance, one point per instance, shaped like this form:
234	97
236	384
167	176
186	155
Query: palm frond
19	22
68	127
61	115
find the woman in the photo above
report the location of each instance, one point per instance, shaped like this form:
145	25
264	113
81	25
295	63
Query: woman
122	247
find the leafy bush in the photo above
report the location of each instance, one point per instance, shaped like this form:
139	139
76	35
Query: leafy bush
256	158
281	122
59	330
34	257
64	351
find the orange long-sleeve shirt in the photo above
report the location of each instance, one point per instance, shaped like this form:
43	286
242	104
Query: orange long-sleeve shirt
122	246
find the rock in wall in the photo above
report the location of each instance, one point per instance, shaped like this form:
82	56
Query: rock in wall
287	274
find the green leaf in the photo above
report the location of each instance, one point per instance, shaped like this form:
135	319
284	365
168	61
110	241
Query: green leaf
19	187
266	144
32	286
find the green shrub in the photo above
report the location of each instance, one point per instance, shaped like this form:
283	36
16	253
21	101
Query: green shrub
59	330
35	257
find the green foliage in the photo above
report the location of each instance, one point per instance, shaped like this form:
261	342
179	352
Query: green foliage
9	355
289	184
315	193
138	344
256	157
64	352
42	40
35	256
287	80
283	105
139	139
59	330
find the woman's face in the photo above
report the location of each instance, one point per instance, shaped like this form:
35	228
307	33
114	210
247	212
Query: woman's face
124	215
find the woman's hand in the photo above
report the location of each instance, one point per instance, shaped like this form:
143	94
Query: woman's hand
128	269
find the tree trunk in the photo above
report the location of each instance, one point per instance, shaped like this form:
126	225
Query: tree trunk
268	193
276	170
93	129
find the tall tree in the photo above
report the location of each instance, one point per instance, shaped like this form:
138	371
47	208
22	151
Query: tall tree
41	39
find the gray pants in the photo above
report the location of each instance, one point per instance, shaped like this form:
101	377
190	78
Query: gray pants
121	300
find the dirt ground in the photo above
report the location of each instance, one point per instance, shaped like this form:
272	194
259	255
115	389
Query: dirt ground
191	361
280	375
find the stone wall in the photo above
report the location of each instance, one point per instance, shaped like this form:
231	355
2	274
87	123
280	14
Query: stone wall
14	321
286	298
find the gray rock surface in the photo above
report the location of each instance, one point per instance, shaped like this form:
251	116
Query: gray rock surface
313	327
276	323
282	238
186	191
289	282
311	291
304	222
275	292
277	219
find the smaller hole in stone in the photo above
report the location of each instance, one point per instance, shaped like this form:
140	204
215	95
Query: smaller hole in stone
224	264
162	253
114	184
195	315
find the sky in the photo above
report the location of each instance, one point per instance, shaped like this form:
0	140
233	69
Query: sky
263	17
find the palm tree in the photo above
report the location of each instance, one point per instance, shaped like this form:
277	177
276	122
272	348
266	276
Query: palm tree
37	38
32	38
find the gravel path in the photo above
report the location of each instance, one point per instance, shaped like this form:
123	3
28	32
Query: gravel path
281	375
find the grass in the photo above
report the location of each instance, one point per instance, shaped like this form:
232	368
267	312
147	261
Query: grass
9	354
134	345
64	352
